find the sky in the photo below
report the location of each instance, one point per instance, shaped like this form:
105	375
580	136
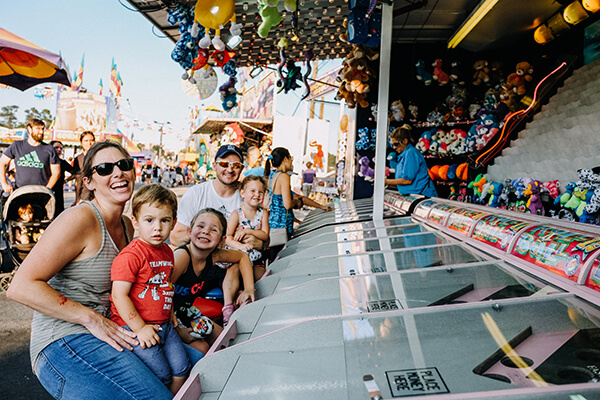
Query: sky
104	30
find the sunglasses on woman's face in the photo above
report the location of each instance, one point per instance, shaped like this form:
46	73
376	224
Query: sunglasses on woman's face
107	168
227	164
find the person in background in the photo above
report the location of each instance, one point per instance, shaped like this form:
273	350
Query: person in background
308	176
254	162
280	200
36	163
87	140
76	350
411	171
142	294
59	188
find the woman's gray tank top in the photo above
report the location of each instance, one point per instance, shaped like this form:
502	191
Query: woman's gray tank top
84	281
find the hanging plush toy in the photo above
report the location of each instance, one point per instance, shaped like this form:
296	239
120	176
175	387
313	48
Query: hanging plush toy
270	17
308	56
288	80
213	14
185	52
422	74
440	76
229	94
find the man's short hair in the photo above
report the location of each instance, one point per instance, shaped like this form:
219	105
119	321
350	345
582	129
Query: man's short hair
227	149
154	194
35	122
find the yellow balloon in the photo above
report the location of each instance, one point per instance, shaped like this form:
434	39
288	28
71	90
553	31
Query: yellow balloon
214	13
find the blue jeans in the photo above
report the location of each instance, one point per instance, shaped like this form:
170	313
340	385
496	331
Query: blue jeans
168	358
84	367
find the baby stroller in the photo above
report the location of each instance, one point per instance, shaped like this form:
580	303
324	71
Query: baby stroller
21	235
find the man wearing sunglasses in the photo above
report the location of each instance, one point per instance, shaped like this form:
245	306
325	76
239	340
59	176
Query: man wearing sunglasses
36	162
220	194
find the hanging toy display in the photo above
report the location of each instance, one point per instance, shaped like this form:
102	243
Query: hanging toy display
213	14
288	80
229	94
270	17
186	48
308	56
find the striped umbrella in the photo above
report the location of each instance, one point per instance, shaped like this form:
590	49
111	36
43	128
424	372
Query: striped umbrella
24	64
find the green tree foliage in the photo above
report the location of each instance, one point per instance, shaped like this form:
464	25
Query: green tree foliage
8	116
141	146
45	115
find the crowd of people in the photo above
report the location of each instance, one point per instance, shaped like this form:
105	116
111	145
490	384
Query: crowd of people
116	317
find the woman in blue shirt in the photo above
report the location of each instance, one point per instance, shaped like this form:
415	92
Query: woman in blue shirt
411	171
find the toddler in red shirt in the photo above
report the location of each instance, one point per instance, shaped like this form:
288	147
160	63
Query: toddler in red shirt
142	294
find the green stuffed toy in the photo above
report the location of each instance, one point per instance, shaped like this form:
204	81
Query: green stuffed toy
270	17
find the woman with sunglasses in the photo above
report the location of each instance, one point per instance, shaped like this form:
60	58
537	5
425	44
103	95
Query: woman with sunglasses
411	171
280	200
77	352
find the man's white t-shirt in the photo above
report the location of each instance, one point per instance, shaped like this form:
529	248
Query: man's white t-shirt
202	196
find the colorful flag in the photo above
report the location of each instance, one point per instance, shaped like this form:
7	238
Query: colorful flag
78	79
113	79
101	87
119	84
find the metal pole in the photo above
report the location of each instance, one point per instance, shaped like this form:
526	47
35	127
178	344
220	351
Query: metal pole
160	145
382	104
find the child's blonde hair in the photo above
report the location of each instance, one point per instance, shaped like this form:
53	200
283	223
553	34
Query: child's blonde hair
154	194
214	212
253	178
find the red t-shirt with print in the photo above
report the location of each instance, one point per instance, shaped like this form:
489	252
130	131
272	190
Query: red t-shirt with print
149	268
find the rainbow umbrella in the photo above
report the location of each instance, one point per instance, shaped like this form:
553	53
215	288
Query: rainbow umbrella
24	64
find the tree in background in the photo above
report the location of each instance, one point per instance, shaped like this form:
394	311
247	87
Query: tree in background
8	116
45	115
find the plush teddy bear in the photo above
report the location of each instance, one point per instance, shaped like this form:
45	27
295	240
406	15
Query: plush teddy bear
458	145
495	192
517	81
534	202
481	74
425	141
422	74
507	196
552	188
365	171
456	73
435	117
397	111
593	206
393	161
438	74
